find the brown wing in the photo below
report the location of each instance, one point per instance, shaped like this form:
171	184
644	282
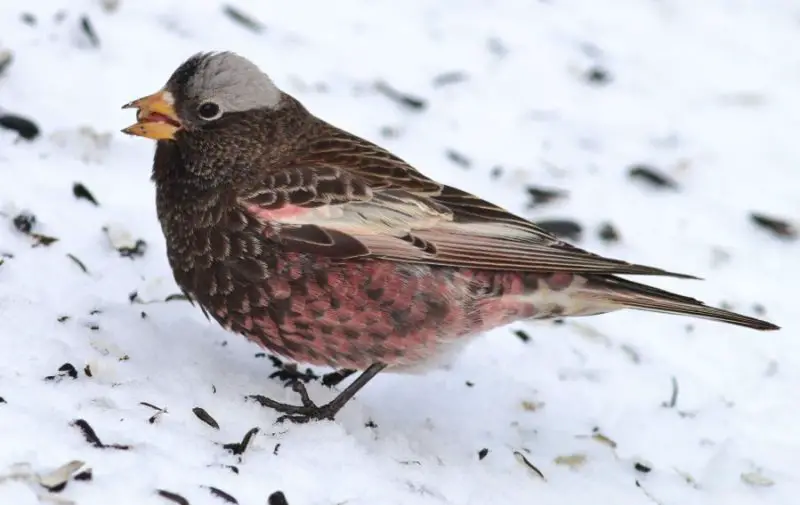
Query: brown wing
345	197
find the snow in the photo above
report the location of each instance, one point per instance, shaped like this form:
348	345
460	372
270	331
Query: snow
705	92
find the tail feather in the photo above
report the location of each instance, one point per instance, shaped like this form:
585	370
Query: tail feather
633	295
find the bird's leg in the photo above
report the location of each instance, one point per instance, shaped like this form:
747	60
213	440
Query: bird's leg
309	410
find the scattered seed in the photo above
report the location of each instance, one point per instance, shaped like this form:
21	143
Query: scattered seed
176	296
24	127
222	494
65	370
522	335
599	437
470	384
276	449
651	176
522	459
673	400
483	453
28	18
759	309
243	19
564	228
87	370
5	60
78	262
57	480
573	461
62	319
370	424
122	241
458	158
155	416
688	478
288	374
541	196
777	226
81	192
84	475
335	378
136	251
450	78
205	417
89	31
238	448
598	75
403	99
45	240
91	437
24	222
173	497
608	233
68	369
531	406
757	479
496	172
642	467
3	400
277	498
631	353
389	132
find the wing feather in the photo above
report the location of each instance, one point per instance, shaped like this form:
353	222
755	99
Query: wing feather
345	197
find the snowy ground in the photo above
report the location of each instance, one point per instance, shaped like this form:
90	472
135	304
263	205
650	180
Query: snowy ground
562	94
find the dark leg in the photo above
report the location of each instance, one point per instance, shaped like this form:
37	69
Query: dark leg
309	410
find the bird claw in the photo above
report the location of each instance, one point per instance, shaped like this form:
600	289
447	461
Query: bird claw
299	414
310	411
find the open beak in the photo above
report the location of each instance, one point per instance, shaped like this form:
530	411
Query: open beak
155	116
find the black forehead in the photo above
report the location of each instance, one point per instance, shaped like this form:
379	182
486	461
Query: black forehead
179	80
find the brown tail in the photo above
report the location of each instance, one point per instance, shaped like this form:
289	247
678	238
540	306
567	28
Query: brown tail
640	296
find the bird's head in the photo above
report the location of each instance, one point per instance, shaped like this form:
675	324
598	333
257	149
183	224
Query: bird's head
200	93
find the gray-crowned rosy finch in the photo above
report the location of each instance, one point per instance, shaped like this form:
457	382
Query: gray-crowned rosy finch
329	250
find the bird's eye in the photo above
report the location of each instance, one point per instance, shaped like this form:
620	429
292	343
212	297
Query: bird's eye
209	111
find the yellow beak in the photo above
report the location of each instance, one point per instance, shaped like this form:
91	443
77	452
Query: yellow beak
155	117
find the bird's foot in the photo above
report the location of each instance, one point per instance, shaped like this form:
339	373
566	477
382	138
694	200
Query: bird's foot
307	411
310	411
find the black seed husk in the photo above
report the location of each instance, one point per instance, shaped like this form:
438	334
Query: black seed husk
89	31
24	127
173	497
652	177
205	417
81	192
238	448
777	226
222	494
608	233
243	19
78	262
565	228
408	101
277	498
541	196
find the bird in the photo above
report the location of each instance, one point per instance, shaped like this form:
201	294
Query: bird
327	249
